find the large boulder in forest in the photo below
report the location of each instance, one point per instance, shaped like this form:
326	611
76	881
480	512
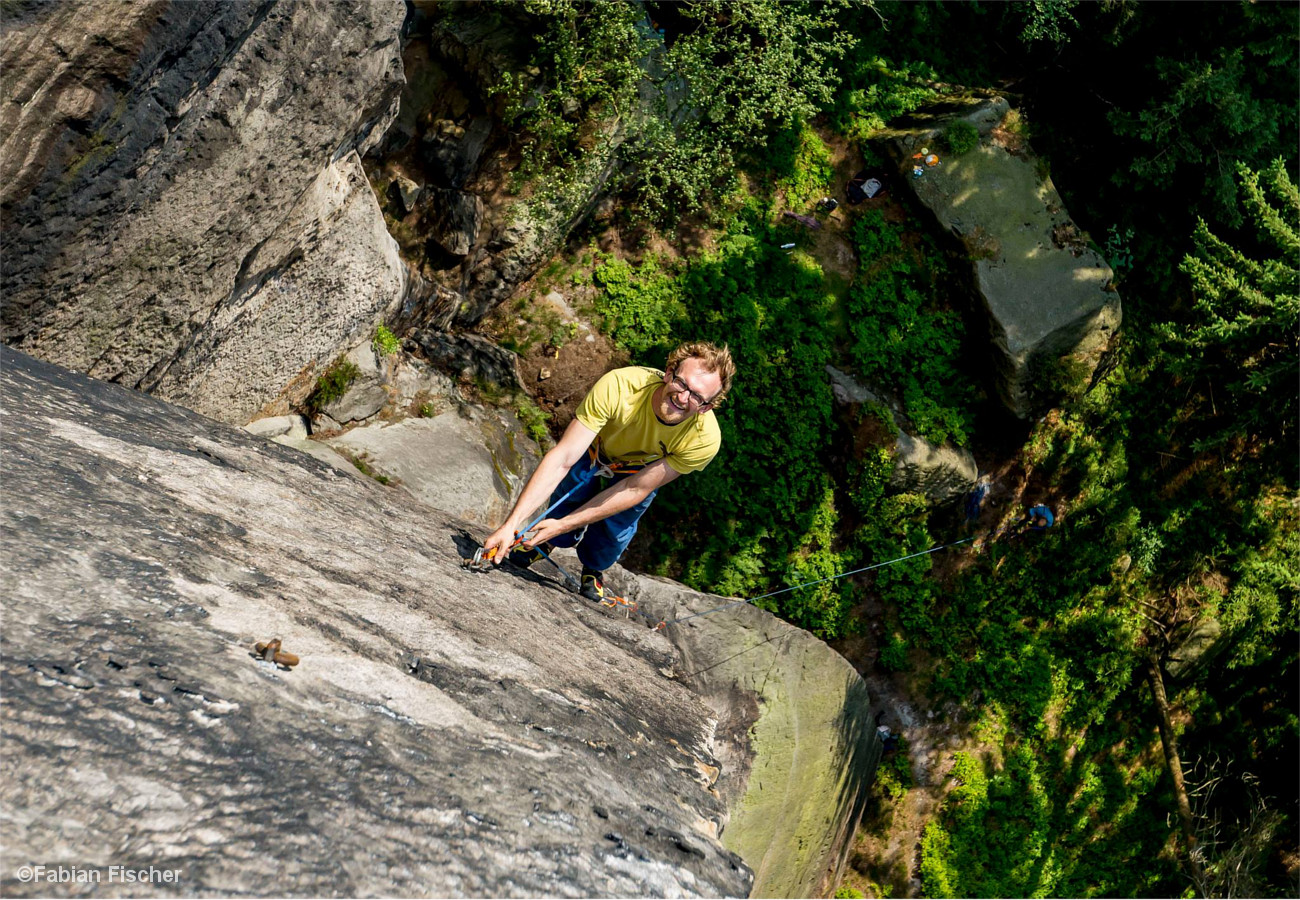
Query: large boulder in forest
443	733
183	207
1047	295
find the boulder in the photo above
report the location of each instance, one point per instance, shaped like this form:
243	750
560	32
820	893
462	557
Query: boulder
1046	294
940	472
470	355
279	426
1194	649
181	180
443	733
452	152
473	467
405	192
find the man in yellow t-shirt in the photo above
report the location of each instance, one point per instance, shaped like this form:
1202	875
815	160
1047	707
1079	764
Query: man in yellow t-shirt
649	427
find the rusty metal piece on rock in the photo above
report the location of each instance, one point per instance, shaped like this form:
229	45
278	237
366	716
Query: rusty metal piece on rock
271	652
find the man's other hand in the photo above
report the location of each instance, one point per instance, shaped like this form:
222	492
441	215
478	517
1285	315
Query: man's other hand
544	531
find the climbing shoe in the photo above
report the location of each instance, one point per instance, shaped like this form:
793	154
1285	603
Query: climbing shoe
525	558
592	587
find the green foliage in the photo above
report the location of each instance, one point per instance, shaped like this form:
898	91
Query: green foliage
534	420
801	164
715	81
1212	106
1045	20
901	339
1118	253
893	656
878	90
961	137
385	343
639	304
894	773
427	411
332	384
848	893
1245	337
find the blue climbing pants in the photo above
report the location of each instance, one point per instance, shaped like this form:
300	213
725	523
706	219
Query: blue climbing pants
601	543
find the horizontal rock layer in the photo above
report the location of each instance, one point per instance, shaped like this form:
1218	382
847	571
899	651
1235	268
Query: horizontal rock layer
180	181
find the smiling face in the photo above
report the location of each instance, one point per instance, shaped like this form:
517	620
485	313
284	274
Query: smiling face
673	400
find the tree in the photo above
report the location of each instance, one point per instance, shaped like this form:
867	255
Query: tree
694	85
1245	334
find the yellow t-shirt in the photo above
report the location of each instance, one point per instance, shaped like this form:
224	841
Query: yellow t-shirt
619	409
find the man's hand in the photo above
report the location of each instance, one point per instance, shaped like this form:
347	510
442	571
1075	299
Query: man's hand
501	539
543	531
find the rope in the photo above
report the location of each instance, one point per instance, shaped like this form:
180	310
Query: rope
796	587
992	533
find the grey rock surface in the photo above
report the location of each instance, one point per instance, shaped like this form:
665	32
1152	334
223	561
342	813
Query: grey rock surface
474	468
938	472
444	734
278	426
322	452
471	356
454	219
181	182
1046	294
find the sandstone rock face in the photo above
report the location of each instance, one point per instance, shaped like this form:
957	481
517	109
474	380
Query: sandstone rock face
472	466
182	208
471	356
445	734
1047	295
938	472
796	738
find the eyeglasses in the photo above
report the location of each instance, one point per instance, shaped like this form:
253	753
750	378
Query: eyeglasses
678	386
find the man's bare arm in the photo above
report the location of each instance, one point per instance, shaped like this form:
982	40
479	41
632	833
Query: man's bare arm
549	473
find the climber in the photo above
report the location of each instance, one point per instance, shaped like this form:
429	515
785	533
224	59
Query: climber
1040	518
636	430
975	500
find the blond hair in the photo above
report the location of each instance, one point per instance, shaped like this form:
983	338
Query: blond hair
713	358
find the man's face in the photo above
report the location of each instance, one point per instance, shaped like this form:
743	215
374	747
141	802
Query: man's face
680	396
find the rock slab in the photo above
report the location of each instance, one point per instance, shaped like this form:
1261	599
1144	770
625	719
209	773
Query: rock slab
444	734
